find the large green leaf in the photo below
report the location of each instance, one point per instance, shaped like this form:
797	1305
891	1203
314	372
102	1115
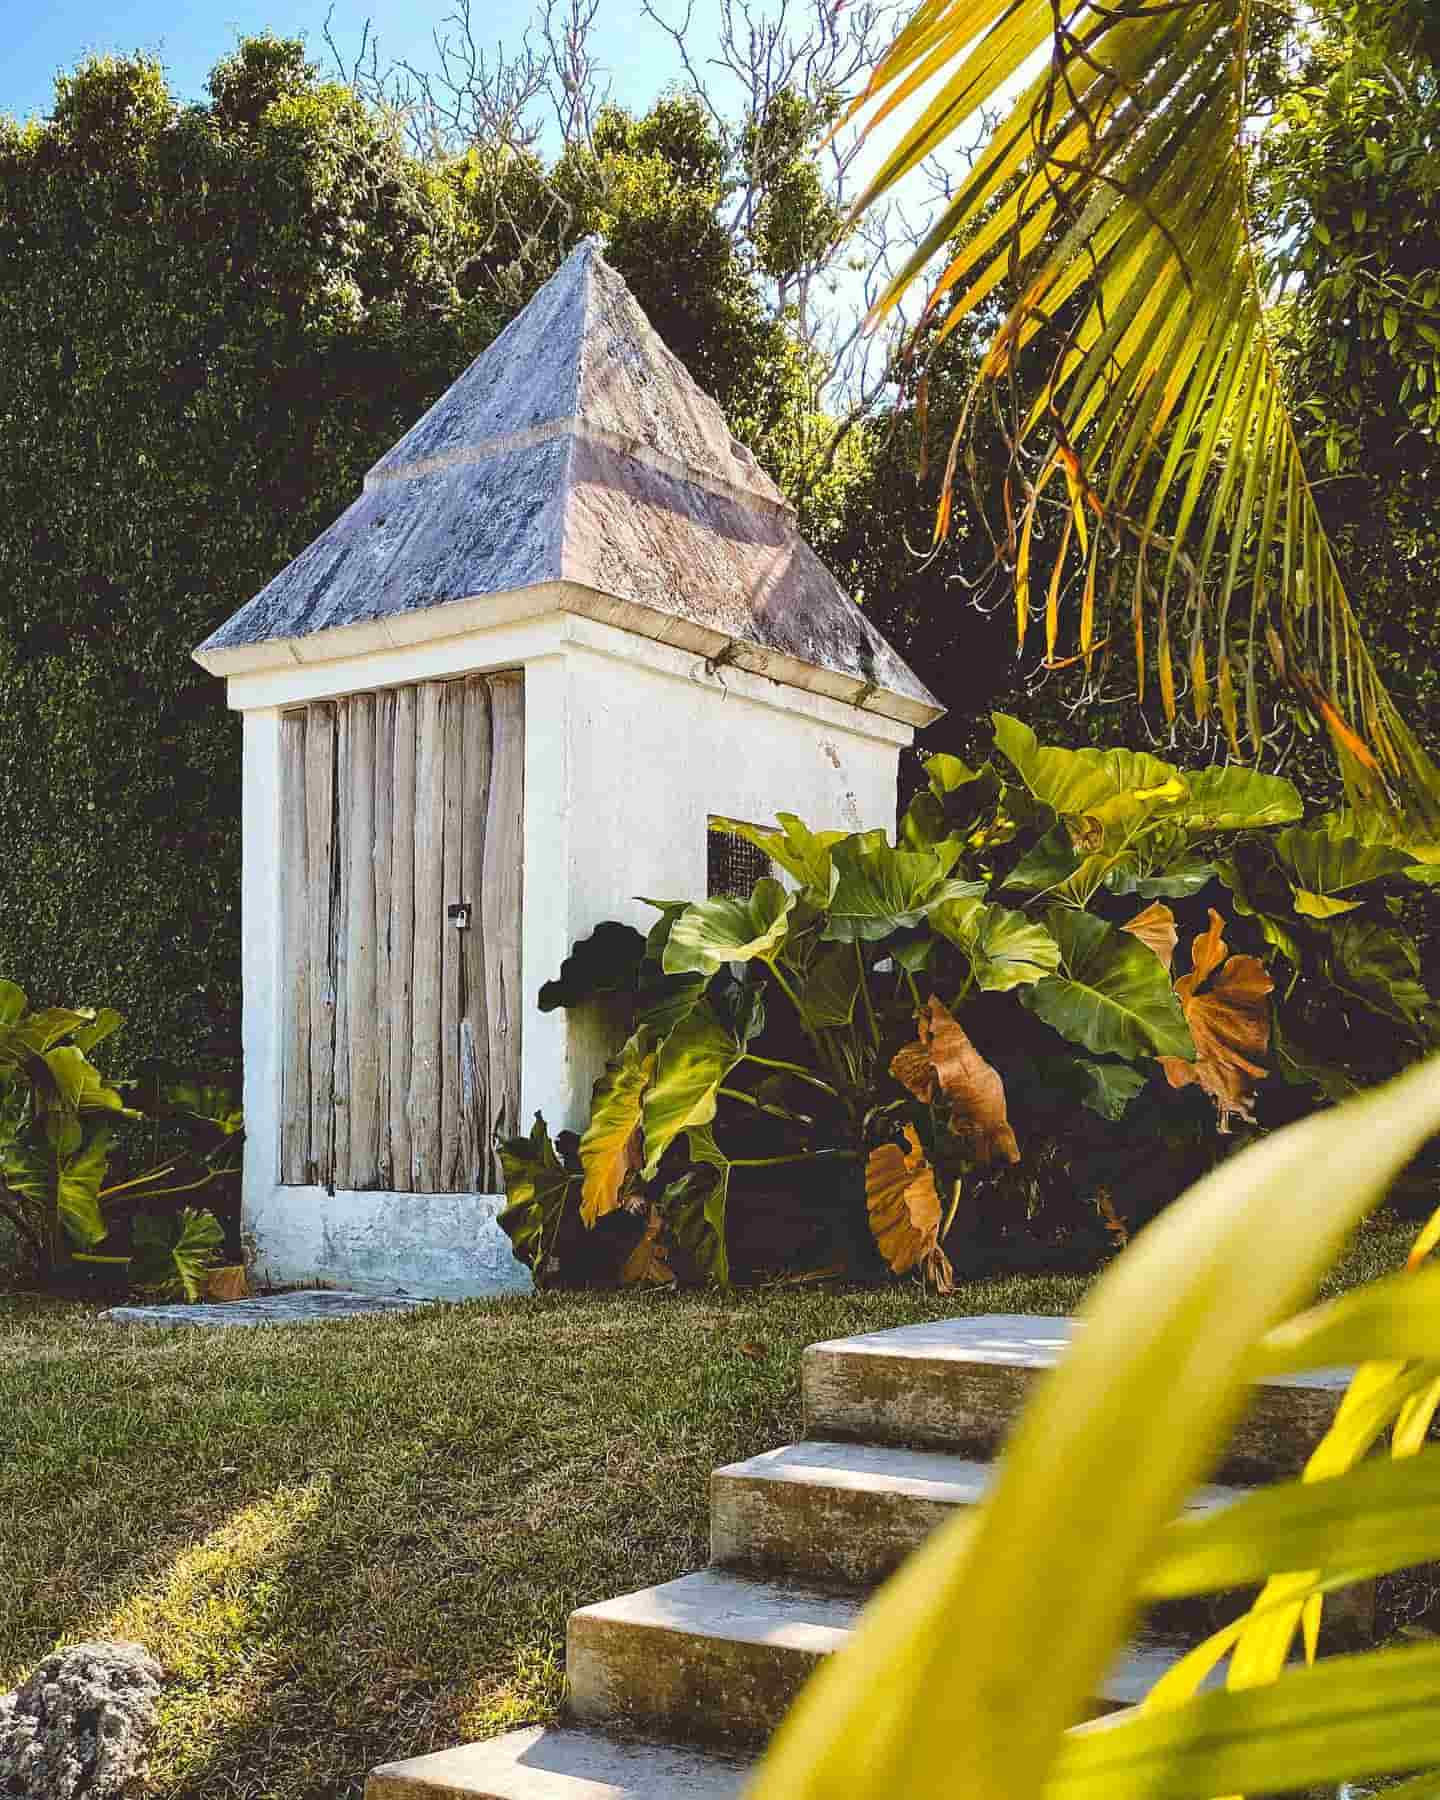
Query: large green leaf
880	889
1047	864
78	1176
1110	1086
610	1146
829	987
1085	782
693	1062
176	1254
1103	1459
1260	891
14	1002
79	1085
41	1031
1113	995
1381	967
801	852
956	801
1178	881
606	962
14	1112
712	933
1006	949
664	1000
1235	798
1328	858
28	1166
104	1024
697	1204
538	1187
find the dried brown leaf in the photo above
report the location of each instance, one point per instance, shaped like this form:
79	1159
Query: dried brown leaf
648	1261
943	1063
1226	1001
903	1203
1113	1223
938	1273
1155	928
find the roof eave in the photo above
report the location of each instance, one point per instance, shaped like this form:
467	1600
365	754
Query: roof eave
454	618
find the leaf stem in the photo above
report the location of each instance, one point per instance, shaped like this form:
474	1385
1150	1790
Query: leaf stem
771	1162
865	996
776	1112
789	1068
950	1215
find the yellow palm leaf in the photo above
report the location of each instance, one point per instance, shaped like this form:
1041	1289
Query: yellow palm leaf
1111	204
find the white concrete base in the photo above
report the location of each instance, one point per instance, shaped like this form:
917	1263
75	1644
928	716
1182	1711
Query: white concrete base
436	1246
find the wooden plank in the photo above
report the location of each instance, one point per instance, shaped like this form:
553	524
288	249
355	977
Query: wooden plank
360	948
430	928
294	957
503	898
340	934
402	940
453	943
474	1027
384	832
320	844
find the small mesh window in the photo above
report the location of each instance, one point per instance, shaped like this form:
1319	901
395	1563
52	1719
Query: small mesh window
733	866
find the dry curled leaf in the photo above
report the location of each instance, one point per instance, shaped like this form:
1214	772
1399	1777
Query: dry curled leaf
943	1063
648	1261
1226	1000
938	1273
1155	928
903	1203
1112	1221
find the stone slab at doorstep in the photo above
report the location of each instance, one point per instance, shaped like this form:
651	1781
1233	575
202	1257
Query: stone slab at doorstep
307	1308
958	1383
556	1763
717	1658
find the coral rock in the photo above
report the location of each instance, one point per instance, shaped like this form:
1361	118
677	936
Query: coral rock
80	1727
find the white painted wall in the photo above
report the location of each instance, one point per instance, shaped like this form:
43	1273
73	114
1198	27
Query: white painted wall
631	745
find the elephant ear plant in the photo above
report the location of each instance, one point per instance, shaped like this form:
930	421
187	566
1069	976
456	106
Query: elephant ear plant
904	1021
60	1127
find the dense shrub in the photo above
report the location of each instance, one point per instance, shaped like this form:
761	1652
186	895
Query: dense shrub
893	1063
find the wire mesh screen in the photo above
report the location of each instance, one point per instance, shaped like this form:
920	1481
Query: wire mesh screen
733	866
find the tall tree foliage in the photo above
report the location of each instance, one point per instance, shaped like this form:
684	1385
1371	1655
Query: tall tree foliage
213	318
1156	477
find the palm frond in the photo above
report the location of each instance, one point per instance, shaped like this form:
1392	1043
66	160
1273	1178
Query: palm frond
1111	204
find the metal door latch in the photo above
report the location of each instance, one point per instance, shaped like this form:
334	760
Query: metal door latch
459	915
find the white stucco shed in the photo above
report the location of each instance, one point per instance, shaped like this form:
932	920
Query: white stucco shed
567	621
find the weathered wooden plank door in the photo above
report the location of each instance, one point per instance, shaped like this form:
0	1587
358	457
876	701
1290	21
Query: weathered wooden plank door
401	846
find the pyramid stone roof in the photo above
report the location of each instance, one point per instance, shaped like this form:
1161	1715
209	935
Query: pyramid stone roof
577	450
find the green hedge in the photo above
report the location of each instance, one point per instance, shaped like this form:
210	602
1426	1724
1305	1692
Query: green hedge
212	320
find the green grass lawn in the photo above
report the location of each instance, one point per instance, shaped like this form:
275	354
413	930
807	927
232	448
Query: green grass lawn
358	1541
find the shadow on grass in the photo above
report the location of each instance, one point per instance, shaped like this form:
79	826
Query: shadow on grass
354	1542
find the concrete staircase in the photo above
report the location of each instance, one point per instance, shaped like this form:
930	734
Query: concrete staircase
675	1689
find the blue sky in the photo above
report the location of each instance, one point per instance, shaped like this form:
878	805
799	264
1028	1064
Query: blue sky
190	39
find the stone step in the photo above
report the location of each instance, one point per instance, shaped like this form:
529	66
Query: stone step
958	1384
849	1514
547	1762
718	1658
